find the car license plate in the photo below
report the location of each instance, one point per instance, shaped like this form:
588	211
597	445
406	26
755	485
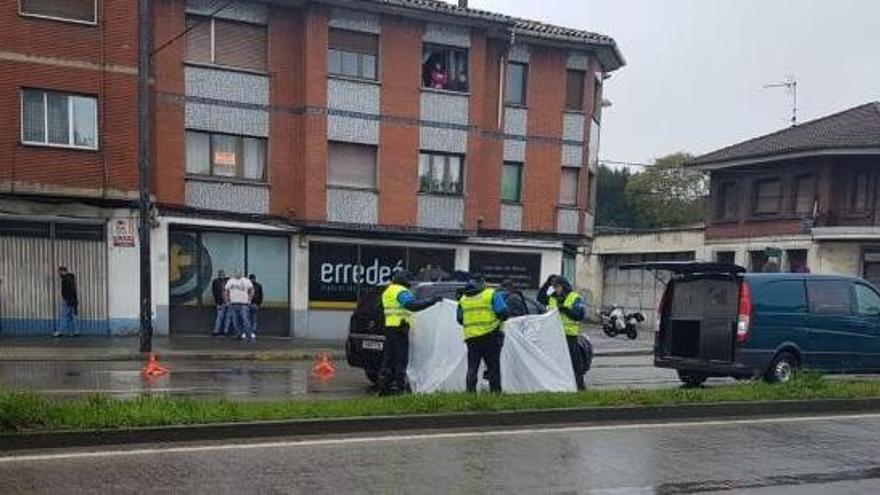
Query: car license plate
373	345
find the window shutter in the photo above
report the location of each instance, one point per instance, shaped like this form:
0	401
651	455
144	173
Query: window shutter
350	41
351	165
574	90
768	195
198	40
569	186
805	195
238	44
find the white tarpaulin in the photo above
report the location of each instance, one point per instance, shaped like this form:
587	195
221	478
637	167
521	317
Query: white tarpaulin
534	357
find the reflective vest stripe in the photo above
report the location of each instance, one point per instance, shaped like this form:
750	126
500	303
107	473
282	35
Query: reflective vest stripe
477	315
395	314
570	326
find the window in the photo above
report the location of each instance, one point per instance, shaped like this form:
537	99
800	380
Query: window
758	261
225	155
440	173
859	195
797	261
67	10
511	182
804	194
229	43
352	54
593	190
830	297
726	257
768	195
517	74
781	296
445	68
867	301
568	187
597	97
574	90
59	119
351	165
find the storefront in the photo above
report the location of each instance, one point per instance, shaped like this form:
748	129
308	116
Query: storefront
195	257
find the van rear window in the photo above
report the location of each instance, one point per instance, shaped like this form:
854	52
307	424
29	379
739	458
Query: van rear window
830	297
705	297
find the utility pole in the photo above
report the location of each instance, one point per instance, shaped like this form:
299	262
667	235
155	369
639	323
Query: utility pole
145	45
789	84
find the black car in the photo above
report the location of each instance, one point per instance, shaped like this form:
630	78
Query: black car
363	348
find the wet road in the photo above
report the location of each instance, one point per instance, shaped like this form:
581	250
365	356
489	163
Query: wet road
794	455
254	379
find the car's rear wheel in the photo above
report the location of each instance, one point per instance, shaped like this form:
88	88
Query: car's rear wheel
372	375
783	368
691	379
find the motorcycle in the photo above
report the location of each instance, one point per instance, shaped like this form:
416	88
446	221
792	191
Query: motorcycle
616	322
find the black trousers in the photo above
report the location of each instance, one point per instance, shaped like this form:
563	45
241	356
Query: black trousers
395	358
486	348
577	361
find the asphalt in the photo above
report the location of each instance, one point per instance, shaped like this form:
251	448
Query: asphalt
776	455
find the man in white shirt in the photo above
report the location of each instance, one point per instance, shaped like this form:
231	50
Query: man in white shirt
238	292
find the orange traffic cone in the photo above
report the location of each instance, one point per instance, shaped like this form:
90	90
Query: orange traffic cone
323	368
153	368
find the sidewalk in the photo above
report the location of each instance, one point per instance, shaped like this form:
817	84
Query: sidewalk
202	348
177	348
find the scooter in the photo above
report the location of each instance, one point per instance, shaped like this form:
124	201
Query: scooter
616	322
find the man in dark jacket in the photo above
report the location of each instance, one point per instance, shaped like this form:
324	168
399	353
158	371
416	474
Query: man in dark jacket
69	304
516	301
218	287
256	301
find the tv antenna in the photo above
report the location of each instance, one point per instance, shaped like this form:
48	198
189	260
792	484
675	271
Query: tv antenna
790	85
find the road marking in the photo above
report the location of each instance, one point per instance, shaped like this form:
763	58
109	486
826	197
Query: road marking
419	436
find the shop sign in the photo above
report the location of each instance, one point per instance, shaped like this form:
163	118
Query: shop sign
522	268
124	232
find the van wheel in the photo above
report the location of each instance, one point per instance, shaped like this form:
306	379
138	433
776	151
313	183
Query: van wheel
783	368
372	375
691	380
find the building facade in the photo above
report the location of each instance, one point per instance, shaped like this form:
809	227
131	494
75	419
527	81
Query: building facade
321	145
806	196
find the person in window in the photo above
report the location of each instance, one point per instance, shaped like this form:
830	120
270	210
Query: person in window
437	78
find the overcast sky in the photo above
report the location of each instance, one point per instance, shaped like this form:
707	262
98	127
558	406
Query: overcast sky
695	68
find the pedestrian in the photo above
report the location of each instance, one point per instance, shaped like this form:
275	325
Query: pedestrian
481	311
514	298
572	311
239	292
398	304
218	291
69	304
256	302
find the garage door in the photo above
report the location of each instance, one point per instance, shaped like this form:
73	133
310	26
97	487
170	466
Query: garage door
636	290
30	293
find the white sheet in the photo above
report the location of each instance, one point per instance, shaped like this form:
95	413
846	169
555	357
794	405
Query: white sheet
534	357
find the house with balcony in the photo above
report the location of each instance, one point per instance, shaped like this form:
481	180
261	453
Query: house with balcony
808	194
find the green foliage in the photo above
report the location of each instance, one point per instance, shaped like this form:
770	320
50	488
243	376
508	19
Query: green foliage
612	209
28	412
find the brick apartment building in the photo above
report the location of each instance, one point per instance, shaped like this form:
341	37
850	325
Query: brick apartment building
320	145
810	193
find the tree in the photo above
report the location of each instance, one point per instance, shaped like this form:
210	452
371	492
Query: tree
666	194
612	209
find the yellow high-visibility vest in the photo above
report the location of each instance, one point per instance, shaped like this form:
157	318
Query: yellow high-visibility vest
570	326
477	315
395	314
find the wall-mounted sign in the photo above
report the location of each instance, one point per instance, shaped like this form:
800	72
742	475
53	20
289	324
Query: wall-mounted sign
497	266
338	272
124	232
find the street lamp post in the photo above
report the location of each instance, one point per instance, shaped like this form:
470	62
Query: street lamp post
144	185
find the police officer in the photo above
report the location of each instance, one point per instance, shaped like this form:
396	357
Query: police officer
572	310
398	303
480	312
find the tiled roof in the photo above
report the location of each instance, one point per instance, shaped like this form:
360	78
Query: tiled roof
855	128
520	26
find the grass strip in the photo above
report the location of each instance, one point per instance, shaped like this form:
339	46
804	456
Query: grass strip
21	412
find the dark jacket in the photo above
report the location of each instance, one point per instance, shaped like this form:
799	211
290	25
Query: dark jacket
257	300
68	289
218	286
516	303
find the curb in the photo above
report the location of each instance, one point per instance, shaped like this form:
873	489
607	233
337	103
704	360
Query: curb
594	416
